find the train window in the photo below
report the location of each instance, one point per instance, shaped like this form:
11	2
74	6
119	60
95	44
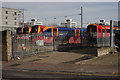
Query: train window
48	30
25	30
91	28
69	31
19	30
60	30
77	32
65	30
103	30
42	29
108	30
99	30
94	30
34	29
55	30
72	30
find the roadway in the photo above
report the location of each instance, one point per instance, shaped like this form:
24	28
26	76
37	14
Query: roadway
10	74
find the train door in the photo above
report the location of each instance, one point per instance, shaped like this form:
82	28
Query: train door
90	29
55	31
77	32
99	32
103	31
30	29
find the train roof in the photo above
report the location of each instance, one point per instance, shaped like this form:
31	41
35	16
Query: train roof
105	26
66	28
98	25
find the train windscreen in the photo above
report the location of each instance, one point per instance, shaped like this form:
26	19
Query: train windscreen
26	30
91	28
108	30
19	30
34	29
48	30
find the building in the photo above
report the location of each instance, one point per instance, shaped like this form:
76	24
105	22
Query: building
35	22
118	23
103	22
31	23
69	24
115	23
11	18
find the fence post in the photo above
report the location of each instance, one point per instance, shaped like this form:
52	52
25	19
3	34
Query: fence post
111	34
53	41
1	46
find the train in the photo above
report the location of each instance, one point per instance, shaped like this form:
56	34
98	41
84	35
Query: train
101	30
39	29
49	32
73	35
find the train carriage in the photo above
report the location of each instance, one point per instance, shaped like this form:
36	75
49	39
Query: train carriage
99	30
70	34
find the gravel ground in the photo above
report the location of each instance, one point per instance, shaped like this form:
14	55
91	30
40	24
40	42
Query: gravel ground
109	59
72	61
54	57
72	57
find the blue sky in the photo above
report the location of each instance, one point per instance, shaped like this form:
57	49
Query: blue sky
92	11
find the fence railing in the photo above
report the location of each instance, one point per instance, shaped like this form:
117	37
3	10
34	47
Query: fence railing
26	44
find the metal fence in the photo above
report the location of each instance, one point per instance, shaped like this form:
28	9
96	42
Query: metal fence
98	39
26	44
117	40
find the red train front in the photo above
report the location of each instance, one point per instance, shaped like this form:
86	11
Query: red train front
100	30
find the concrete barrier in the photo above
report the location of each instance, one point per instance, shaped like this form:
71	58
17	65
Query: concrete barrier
106	50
